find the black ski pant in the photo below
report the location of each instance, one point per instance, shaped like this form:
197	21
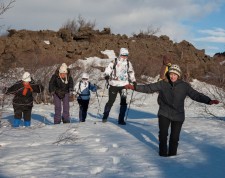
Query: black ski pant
113	91
175	128
83	109
22	111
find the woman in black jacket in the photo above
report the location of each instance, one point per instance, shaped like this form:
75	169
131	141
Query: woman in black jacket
172	93
60	86
23	99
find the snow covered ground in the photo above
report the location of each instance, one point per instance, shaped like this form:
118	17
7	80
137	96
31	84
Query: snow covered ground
108	150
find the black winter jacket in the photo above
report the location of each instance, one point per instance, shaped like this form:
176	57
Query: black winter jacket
58	87
19	99
171	97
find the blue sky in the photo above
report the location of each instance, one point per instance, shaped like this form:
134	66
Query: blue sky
198	21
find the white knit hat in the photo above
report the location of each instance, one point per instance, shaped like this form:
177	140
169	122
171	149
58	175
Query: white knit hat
175	69
63	69
85	75
124	52
64	64
26	77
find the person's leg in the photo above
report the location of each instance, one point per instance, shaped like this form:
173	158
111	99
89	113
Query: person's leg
80	102
17	116
112	97
58	109
66	108
85	108
27	117
123	106
164	124
174	137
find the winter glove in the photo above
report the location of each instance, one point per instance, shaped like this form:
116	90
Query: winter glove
135	84
214	102
129	86
71	91
107	77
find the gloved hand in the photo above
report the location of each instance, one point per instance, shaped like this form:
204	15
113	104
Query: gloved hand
129	86
214	102
71	91
107	77
135	84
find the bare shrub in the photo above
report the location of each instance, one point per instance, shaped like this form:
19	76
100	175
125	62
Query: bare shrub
75	24
67	137
151	30
216	90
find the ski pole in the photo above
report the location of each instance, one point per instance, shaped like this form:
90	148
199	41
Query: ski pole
129	104
106	83
98	99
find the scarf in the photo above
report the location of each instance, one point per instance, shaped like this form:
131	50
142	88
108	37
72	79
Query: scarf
64	80
26	88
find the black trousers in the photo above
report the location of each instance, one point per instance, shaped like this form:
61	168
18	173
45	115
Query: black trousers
83	109
175	128
113	91
20	111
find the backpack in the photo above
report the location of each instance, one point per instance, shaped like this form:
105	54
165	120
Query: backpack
114	67
89	87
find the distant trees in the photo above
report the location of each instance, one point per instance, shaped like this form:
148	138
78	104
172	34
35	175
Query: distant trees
4	6
75	24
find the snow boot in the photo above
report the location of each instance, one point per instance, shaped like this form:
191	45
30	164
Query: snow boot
106	113
173	148
16	122
65	120
163	149
27	123
123	109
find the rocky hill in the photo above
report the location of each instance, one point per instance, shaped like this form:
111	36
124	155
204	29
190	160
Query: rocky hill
31	49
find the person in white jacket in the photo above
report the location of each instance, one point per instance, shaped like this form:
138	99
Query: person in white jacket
82	89
119	73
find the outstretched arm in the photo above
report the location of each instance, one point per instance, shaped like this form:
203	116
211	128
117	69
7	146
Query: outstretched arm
200	97
148	88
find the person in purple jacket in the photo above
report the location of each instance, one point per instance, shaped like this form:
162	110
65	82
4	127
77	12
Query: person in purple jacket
172	93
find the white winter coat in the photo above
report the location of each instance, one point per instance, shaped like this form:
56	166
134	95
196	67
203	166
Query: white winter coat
83	88
121	75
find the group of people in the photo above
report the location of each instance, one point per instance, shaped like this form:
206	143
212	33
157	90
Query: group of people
120	77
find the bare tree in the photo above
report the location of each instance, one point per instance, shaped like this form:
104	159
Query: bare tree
5	6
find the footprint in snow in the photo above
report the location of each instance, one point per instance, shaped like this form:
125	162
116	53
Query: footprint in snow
97	139
103	150
186	131
116	160
115	145
96	170
198	138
